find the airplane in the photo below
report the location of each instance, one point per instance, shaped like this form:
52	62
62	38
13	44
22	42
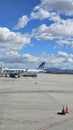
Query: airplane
34	72
24	72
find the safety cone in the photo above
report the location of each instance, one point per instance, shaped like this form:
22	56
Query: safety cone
67	110
63	111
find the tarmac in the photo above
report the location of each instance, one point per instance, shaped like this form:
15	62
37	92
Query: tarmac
28	103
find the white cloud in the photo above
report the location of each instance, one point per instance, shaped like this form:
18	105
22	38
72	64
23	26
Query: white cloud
12	53
44	14
62	59
63	42
30	58
42	33
51	10
70	46
68	42
54	17
22	22
61	30
10	43
41	14
54	61
63	54
13	59
61	6
68	60
12	40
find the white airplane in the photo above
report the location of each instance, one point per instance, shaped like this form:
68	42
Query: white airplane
24	72
33	72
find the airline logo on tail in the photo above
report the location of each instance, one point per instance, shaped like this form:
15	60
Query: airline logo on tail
41	66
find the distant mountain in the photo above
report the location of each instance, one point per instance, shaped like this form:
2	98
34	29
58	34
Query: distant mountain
58	71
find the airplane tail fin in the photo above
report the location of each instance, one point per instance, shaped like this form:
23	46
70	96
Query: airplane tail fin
41	66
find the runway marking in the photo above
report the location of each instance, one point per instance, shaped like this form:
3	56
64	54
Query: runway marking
56	124
36	91
18	120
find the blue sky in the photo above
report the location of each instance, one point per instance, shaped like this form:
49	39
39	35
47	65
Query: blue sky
32	31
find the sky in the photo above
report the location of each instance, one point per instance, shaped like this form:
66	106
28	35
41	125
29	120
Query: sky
33	31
